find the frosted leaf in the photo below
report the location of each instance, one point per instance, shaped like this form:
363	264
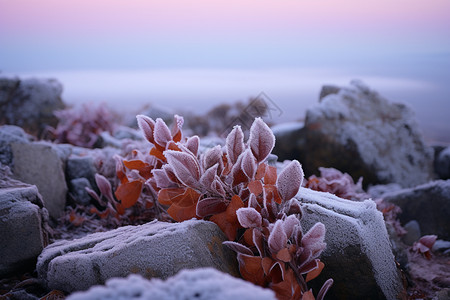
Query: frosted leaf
192	144
104	186
313	240
161	179
208	176
235	144
147	126
217	186
161	133
248	164
324	289
210	206
277	237
289	224
294	208
252	202
185	167
212	157
261	140
178	122
290	180
249	217
238	248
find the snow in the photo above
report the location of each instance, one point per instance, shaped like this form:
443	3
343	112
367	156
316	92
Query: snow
199	284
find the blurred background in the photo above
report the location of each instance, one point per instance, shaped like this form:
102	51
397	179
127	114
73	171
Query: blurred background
197	54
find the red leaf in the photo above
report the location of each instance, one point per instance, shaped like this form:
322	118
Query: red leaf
261	140
260	171
143	168
248	164
290	180
235	144
270	176
249	217
255	187
227	220
158	154
147	126
251	269
128	193
284	255
192	144
181	214
316	272
210	206
238	248
176	128
161	133
165	196
185	167
277	238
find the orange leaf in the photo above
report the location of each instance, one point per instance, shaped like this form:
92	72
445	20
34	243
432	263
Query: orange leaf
158	154
183	205
308	295
165	196
284	255
177	137
143	168
181	214
172	146
260	171
122	176
128	193
120	209
251	269
316	272
227	220
248	237
267	264
272	193
255	187
234	205
188	199
271	175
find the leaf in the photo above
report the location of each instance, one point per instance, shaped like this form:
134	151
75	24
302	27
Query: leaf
237	174
270	176
128	193
235	144
325	287
232	208
251	269
147	126
238	248
261	140
161	133
314	239
248	164
161	179
289	224
255	187
316	272
249	217
277	238
308	295
217	187
210	206
208	176
185	167
104	186
252	202
261	171
227	220
143	168
192	144
176	128
184	207
165	196
284	255
158	154
290	180
189	198
212	156
258	241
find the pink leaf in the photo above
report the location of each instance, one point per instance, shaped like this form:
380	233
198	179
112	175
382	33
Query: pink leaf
161	179
212	156
249	217
325	287
290	180
161	133
217	186
238	248
258	241
428	240
294	207
177	124
252	202
289	224
208	176
185	167
192	144
261	140
147	126
210	206
248	164
277	237
314	239
104	186
235	144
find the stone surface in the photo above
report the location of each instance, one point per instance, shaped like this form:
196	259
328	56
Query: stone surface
38	163
442	164
358	255
81	167
155	249
428	204
413	233
199	284
30	103
23	226
359	132
10	134
78	190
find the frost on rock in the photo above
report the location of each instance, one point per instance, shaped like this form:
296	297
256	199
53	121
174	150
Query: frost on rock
155	249
359	132
358	252
199	284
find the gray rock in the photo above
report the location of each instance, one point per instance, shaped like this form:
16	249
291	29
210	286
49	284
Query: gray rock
23	227
441	246
155	249
199	284
10	134
360	133
442	164
39	164
78	190
328	90
81	167
358	255
30	103
429	204
413	233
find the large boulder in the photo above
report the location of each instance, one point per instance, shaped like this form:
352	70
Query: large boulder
10	134
155	249
30	103
428	204
442	164
38	163
199	284
356	131
23	224
358	255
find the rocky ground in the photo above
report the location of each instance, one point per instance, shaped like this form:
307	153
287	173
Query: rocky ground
387	235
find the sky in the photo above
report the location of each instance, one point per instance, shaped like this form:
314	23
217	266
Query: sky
202	52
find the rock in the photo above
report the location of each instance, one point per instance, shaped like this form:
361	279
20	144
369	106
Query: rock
328	90
155	249
78	190
378	191
428	204
30	103
442	164
10	134
289	139
358	255
38	163
412	233
441	246
81	167
23	226
200	284
359	132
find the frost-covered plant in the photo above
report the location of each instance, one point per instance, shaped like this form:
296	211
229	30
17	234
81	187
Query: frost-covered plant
82	126
335	182
424	245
